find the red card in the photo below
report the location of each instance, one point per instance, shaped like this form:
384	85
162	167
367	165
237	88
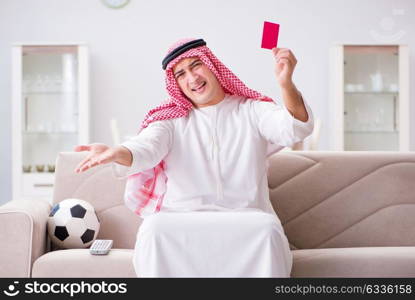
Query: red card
270	35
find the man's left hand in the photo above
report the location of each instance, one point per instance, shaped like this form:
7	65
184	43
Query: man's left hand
285	62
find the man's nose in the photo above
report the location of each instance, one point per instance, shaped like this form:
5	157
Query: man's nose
192	77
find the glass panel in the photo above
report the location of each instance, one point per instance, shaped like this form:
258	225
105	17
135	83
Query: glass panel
371	98
50	104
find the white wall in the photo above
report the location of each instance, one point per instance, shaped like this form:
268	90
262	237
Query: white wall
127	46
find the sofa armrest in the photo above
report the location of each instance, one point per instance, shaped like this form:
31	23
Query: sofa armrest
23	236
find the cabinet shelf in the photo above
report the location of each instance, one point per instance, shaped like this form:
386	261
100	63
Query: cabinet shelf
49	93
50	132
373	92
369	132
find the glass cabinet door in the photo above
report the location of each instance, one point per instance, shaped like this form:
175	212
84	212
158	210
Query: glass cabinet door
50	112
371	98
50	105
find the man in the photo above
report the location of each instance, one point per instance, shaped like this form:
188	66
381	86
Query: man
208	143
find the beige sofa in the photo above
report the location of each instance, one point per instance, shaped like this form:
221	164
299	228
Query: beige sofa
346	214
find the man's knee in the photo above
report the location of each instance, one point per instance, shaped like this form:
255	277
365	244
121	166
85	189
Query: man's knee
155	224
268	223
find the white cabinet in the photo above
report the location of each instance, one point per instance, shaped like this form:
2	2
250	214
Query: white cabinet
50	112
369	97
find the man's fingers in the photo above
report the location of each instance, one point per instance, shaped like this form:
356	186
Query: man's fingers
87	165
284	52
92	161
288	56
280	53
90	164
106	159
81	167
284	59
94	158
292	57
82	148
275	50
82	163
84	160
282	62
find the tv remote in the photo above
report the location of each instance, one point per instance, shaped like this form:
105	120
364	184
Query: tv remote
100	247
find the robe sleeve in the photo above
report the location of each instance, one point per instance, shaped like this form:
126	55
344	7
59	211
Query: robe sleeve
148	148
276	124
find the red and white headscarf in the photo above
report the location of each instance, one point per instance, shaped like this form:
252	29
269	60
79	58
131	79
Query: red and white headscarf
144	191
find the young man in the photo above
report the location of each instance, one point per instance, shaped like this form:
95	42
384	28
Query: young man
209	144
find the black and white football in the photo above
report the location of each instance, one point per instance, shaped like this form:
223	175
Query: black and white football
72	223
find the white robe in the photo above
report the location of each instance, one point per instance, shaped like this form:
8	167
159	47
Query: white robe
216	160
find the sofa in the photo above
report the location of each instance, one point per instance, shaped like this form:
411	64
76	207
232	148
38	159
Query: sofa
346	214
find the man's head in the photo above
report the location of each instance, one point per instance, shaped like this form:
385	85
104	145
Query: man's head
198	82
187	92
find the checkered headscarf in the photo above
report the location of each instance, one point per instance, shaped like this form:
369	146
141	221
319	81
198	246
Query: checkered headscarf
144	191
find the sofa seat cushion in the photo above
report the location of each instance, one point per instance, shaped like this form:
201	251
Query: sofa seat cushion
327	262
80	263
354	262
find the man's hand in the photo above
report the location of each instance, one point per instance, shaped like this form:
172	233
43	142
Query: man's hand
285	62
102	154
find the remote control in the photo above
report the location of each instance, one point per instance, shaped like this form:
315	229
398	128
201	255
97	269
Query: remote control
100	247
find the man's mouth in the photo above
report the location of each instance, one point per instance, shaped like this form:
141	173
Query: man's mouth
199	88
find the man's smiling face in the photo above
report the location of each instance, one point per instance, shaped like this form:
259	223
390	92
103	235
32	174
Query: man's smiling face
198	82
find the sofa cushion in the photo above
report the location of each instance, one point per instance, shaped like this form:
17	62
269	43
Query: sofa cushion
80	263
355	262
328	262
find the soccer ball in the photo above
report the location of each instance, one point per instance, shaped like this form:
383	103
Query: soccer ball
72	223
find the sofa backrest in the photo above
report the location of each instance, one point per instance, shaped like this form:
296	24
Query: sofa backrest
328	199
324	199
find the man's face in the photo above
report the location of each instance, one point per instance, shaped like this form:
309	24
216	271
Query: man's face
197	82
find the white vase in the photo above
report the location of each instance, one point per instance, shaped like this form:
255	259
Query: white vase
377	83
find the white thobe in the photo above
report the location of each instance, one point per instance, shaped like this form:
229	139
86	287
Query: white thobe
215	160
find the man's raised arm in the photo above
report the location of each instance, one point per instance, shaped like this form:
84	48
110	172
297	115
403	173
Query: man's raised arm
285	63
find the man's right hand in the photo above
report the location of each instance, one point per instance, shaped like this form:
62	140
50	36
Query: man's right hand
102	154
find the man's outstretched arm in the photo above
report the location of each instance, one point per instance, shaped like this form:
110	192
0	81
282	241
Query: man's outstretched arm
139	153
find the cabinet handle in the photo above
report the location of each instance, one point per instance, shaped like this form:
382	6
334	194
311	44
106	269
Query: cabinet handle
25	113
43	185
395	121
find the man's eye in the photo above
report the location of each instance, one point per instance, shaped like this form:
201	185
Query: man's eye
178	75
